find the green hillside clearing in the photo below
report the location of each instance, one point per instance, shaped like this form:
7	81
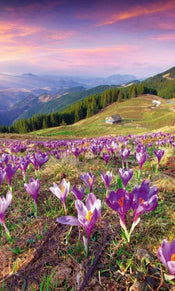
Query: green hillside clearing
137	114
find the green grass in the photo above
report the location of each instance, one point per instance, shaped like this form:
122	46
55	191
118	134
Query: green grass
136	113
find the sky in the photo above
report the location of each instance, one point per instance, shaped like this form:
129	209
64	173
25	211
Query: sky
87	38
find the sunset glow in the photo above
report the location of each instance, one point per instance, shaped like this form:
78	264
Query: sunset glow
87	37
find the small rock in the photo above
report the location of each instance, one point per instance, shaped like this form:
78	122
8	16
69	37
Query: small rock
62	272
137	286
93	282
144	254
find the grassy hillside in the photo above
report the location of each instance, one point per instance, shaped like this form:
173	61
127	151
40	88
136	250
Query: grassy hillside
164	83
136	113
170	72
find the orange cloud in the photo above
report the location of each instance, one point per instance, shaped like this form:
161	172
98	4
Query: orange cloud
140	11
5	27
29	34
9	31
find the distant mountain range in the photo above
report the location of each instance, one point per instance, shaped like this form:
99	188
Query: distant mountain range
50	82
28	94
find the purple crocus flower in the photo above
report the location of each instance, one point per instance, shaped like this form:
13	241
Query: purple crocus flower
143	199
113	147
41	159
76	151
10	171
125	175
34	162
88	214
166	254
159	154
106	157
33	188
5	158
78	193
61	192
23	164
93	149
120	201
4	204
2	174
88	178
107	177
140	148
141	157
124	153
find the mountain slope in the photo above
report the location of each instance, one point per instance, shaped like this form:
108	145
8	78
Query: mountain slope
170	73
164	83
137	117
59	102
16	92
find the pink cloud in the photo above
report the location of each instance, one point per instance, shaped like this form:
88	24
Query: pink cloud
97	50
17	34
99	60
166	26
164	37
10	30
88	59
5	27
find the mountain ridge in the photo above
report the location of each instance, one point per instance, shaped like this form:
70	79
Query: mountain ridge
18	103
18	89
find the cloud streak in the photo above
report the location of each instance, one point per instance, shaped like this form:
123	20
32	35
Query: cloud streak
164	37
140	10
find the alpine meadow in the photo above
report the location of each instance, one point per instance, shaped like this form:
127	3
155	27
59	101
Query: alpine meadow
87	145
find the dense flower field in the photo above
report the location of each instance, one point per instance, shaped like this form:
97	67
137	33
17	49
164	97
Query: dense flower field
87	214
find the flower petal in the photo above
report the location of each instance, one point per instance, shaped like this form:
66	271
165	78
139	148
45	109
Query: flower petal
90	201
70	220
171	267
81	208
163	252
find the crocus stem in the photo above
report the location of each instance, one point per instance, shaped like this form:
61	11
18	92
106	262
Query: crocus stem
24	178
35	208
158	166
139	174
6	230
79	234
68	234
123	166
85	242
122	223
133	226
126	163
65	209
10	188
